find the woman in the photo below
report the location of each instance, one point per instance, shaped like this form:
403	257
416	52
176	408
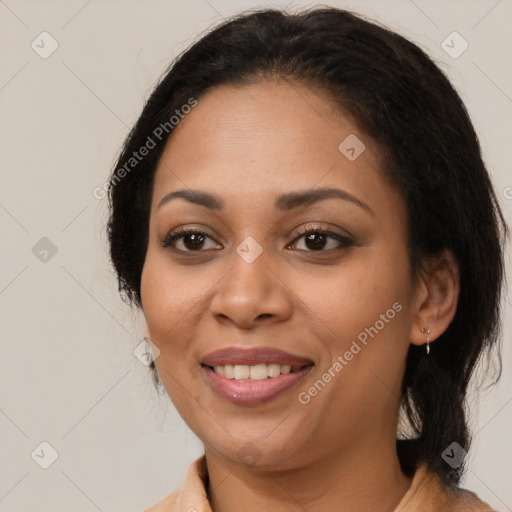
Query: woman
303	215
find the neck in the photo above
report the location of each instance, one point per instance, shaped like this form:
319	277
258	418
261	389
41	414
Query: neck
365	476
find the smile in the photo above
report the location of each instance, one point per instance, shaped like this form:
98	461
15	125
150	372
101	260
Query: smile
253	376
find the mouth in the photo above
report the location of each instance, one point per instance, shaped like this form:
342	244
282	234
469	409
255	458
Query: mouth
250	373
252	376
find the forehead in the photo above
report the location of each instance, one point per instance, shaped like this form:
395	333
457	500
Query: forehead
248	140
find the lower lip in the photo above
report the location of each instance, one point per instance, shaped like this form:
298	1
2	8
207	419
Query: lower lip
255	392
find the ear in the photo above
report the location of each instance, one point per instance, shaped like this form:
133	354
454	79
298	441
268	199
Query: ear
437	297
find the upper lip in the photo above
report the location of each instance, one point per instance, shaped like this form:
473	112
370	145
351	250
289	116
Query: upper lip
252	356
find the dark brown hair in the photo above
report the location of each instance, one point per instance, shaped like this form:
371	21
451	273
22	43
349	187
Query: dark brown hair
404	102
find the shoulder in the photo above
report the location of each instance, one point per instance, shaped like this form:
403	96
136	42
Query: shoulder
469	501
429	494
426	494
191	496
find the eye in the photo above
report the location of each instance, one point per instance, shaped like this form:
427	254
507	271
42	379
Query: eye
192	239
317	239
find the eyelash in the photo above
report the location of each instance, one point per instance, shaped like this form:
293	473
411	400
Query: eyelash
345	242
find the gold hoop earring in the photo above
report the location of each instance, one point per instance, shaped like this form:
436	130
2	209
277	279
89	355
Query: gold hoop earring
427	331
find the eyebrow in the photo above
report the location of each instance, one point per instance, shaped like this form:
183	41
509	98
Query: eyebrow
285	202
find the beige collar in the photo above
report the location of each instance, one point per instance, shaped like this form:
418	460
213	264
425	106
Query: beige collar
426	494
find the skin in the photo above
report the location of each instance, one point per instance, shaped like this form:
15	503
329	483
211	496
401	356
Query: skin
248	144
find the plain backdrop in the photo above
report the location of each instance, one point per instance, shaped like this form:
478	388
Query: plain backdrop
69	376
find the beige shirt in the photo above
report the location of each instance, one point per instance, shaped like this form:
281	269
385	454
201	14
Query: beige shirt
426	494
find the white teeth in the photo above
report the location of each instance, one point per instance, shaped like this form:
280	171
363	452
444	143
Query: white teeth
241	371
254	372
274	370
286	369
258	372
228	371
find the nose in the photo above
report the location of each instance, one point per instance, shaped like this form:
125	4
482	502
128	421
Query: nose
252	293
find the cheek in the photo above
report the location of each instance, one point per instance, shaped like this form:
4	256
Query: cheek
174	298
166	294
361	312
168	300
353	295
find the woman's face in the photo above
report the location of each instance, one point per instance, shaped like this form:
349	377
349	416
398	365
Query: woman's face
340	304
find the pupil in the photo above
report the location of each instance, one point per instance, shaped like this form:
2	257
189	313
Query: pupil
197	240
310	238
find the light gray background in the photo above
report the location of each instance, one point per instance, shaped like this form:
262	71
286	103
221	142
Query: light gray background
68	373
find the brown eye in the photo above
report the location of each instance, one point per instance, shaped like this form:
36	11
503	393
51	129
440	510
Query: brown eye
192	240
321	240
